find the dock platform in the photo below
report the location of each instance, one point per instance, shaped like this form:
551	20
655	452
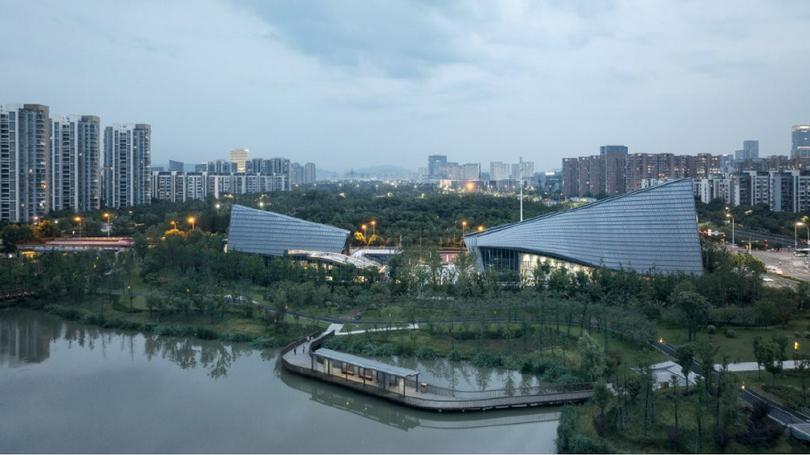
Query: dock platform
399	385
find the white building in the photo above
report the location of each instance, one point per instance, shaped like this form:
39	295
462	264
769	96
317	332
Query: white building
127	163
75	163
25	160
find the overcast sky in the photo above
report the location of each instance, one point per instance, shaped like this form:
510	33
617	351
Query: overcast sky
350	84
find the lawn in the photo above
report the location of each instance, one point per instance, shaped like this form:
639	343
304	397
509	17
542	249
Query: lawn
740	348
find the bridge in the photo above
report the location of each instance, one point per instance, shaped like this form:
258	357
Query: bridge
400	385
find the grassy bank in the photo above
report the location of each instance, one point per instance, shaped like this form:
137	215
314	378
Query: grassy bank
228	326
545	350
585	429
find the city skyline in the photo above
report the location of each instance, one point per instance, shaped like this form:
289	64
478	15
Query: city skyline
501	80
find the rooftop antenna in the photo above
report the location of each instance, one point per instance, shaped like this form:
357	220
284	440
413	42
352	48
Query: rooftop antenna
520	172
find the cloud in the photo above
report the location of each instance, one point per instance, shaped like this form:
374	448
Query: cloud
349	83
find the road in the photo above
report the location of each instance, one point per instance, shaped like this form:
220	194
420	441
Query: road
791	266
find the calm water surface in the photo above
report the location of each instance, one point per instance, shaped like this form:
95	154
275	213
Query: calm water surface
66	387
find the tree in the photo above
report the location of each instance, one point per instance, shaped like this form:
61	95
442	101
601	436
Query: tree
140	244
802	365
760	354
686	356
601	396
592	357
694	310
674	381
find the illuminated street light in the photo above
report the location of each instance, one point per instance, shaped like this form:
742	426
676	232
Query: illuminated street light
480	228
729	215
108	217
373	228
795	345
216	206
192	221
78	220
796	234
174	224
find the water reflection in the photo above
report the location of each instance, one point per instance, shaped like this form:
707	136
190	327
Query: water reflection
67	387
26	337
404	418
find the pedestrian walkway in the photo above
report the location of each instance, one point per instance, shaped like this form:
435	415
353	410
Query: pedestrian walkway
364	375
382	329
740	367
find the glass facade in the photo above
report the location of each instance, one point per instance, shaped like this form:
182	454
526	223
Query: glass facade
273	234
650	230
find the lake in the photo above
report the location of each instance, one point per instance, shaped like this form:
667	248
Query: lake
67	387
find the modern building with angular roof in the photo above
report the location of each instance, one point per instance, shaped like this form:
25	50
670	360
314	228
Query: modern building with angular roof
273	234
652	230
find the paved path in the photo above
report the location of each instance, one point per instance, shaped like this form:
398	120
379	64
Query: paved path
751	366
384	329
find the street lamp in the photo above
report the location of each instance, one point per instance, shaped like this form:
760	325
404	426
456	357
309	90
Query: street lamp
78	219
364	228
192	221
174	224
480	228
796	234
108	217
373	228
463	227
729	215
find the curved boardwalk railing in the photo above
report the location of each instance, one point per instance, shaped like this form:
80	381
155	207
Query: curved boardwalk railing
434	397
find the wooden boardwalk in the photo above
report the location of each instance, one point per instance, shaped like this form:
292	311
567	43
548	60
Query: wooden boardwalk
296	358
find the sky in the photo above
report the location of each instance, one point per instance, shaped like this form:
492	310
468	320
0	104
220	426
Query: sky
350	84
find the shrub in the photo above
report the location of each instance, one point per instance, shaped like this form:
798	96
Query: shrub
711	329
486	360
731	333
425	353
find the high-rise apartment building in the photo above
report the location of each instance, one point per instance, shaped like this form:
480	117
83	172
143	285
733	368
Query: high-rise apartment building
220	167
471	171
25	159
176	166
499	170
76	163
523	169
436	165
614	160
750	150
127	162
240	157
296	174
309	174
800	142
570	177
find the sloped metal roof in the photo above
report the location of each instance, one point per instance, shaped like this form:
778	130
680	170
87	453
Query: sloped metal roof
273	234
363	362
653	229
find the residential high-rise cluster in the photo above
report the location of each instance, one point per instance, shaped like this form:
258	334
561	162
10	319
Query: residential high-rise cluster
742	178
501	175
239	174
53	164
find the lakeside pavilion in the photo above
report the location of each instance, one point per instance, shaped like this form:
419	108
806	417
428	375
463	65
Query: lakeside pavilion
362	370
